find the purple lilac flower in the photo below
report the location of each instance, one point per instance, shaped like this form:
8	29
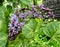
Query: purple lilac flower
21	15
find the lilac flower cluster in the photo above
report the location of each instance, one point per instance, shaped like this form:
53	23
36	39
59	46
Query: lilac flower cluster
46	12
15	24
14	27
35	12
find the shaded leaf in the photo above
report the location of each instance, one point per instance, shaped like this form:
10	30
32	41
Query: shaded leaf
51	28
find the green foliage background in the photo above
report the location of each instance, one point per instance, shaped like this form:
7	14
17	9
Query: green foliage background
35	33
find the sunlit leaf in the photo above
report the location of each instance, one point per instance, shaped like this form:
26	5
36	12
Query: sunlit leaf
56	36
26	2
2	10
28	29
3	39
